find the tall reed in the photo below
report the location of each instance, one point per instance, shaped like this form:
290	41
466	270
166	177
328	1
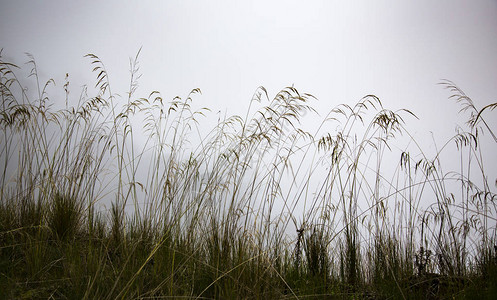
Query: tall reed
131	197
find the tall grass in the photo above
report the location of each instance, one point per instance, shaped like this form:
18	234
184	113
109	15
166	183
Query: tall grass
107	197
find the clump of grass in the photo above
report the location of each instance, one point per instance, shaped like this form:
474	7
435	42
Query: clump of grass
64	217
258	207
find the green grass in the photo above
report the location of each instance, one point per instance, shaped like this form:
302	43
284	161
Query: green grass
105	197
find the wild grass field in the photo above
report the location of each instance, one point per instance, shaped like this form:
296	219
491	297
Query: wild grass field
106	196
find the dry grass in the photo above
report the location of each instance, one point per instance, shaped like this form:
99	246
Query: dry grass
258	207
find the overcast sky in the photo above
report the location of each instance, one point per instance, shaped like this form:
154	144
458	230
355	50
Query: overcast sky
339	51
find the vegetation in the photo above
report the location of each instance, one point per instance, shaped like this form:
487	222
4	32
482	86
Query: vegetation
127	198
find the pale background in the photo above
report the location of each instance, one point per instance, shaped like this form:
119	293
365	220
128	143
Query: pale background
338	51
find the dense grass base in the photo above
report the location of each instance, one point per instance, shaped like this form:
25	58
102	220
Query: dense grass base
35	264
101	200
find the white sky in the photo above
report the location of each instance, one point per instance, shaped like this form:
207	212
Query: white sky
339	51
